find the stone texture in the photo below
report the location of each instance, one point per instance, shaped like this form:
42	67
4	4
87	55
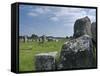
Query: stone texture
77	53
82	26
44	38
93	29
45	61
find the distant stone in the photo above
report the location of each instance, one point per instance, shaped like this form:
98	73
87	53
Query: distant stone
45	61
77	53
93	29
25	38
43	38
82	26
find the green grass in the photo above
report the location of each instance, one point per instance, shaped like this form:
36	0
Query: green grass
28	50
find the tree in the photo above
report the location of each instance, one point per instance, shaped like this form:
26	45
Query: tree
71	37
67	37
34	36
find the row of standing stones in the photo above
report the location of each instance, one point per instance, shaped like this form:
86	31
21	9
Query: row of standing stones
76	53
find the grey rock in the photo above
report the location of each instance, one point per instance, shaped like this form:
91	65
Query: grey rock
93	30
45	61
82	26
43	38
77	53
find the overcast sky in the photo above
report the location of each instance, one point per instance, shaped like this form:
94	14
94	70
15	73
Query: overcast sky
50	20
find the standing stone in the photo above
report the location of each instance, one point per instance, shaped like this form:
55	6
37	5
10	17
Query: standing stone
40	39
43	38
25	38
82	26
93	29
45	61
77	53
21	38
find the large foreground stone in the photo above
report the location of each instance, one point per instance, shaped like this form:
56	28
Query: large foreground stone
82	26
77	53
93	29
45	61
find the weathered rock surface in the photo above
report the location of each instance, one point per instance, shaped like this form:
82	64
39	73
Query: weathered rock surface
82	26
45	61
77	53
93	29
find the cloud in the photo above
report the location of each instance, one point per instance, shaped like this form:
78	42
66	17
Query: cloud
36	11
32	14
71	14
54	18
24	7
39	10
62	13
66	13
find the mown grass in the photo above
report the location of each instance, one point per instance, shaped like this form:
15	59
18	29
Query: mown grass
28	50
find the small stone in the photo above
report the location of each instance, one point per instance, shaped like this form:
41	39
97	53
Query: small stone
45	61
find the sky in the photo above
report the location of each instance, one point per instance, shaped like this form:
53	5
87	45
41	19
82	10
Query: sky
50	20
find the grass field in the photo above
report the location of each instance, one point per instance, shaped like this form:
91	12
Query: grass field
28	50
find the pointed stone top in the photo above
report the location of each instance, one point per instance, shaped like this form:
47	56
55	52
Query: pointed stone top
84	19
